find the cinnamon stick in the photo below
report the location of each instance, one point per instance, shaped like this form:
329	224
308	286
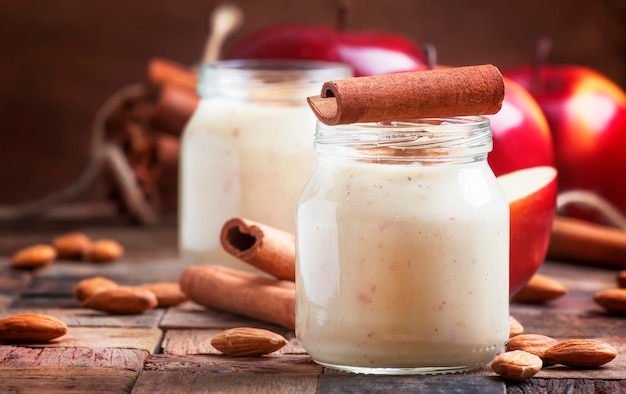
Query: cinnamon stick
240	292
456	91
265	247
166	71
581	241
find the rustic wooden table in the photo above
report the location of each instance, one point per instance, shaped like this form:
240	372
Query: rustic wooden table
168	350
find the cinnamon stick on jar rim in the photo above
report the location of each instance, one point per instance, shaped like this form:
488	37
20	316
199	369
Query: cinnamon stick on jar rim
266	248
455	91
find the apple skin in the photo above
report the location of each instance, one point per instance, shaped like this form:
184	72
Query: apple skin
521	136
367	52
586	112
531	216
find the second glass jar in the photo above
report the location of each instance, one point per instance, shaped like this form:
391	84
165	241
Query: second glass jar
247	150
403	249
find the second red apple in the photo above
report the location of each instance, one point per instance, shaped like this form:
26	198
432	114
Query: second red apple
367	52
587	116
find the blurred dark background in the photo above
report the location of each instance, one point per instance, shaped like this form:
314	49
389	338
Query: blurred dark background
60	60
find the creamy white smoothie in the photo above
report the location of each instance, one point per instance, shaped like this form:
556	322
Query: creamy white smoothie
254	163
247	151
402	266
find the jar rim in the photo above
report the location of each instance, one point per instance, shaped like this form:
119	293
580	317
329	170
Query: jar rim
268	79
449	124
275	65
427	139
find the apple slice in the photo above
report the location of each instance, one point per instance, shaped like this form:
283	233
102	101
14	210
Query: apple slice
531	193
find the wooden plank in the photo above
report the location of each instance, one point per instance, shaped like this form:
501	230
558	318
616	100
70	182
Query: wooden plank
192	315
83	317
193	373
269	364
542	386
130	269
564	324
13	281
348	383
66	380
43	302
66	369
51	356
183	381
147	339
5	301
198	341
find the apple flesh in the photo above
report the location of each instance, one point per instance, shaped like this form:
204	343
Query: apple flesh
521	136
586	113
367	52
531	193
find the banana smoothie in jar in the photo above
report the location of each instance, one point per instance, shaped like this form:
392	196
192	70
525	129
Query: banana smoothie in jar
403	248
247	150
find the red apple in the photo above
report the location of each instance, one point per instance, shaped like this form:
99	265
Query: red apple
521	136
367	52
587	116
531	193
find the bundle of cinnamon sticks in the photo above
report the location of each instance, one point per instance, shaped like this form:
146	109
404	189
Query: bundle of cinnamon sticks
147	127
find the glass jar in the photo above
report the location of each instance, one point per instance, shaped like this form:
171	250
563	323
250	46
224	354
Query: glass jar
403	248
247	150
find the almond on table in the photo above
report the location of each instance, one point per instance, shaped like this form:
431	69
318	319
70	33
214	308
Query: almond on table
35	256
122	300
612	300
515	327
581	353
532	343
540	288
246	341
31	327
105	250
90	286
167	293
517	365
73	246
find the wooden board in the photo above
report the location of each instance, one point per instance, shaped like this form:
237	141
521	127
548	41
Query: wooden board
146	339
83	317
193	381
192	315
68	369
169	350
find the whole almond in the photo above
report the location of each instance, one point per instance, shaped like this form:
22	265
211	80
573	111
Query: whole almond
122	300
105	250
167	293
72	246
581	353
532	343
35	256
621	278
31	327
516	365
540	288
515	327
613	300
90	286
246	341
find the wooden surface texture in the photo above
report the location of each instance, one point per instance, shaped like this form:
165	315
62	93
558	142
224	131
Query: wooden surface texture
169	350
